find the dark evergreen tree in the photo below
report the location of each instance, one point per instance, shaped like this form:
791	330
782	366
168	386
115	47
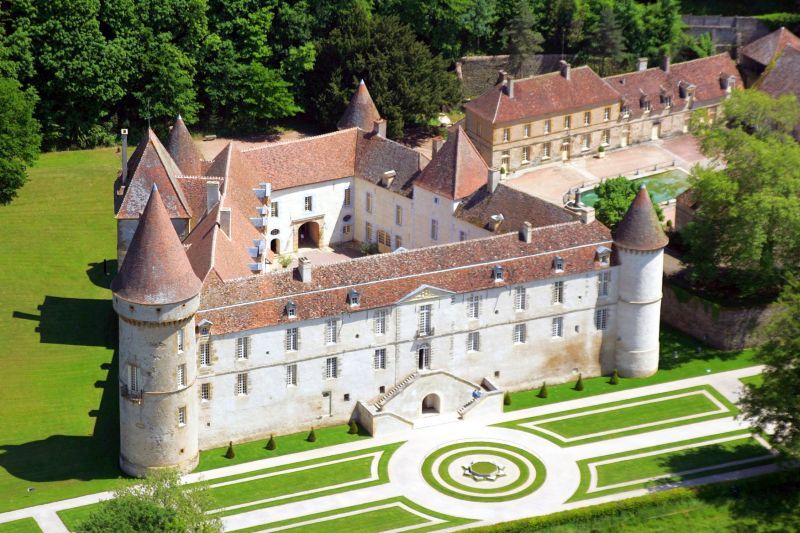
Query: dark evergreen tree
312	436
608	41
523	40
579	383
543	391
230	454
271	444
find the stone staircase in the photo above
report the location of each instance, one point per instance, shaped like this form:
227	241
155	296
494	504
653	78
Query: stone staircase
464	408
381	400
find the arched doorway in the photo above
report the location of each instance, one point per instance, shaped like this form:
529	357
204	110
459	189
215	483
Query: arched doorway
308	235
424	357
275	246
431	404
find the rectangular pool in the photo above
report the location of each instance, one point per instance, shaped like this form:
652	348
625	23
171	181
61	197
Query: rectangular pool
663	186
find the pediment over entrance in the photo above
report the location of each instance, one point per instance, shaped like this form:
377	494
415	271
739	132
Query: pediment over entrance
425	292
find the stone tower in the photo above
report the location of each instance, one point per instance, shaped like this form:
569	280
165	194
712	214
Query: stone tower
156	295
639	242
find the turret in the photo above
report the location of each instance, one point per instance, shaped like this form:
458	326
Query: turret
156	295
639	242
361	112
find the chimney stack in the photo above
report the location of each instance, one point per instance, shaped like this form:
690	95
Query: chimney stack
304	269
501	76
379	128
225	221
212	194
526	233
388	178
642	64
438	141
665	63
508	86
124	156
565	69
494	179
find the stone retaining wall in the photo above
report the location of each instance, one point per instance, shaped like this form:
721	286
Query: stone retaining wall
720	327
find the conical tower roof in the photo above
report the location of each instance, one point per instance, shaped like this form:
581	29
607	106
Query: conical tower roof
181	147
456	170
361	111
640	228
156	270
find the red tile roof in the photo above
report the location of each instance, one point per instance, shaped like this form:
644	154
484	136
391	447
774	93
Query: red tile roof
457	170
361	111
544	95
784	76
184	152
156	269
705	73
151	165
219	166
767	48
640	228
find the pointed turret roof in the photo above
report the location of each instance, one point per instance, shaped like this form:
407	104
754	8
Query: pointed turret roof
156	270
456	170
183	150
361	111
640	228
151	165
767	48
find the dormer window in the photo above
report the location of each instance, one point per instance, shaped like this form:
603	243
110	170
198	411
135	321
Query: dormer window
291	309
204	327
353	298
558	264
626	111
603	255
497	273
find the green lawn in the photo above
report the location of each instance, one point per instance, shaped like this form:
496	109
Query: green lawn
658	414
369	520
756	380
680	359
701	454
24	525
58	402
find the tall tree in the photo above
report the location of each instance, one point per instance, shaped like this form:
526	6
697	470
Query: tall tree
407	82
614	197
774	405
523	40
608	41
665	27
19	137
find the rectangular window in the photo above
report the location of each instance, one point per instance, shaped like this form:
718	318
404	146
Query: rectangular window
505	159
567	122
384	238
520	333
379	359
520	299
181	375
274	209
473	306
558	292
133	378
368	232
607	113
241	383
291	375
586	141
526	130
331	368
291	339
308	203
434	230
587	118
606	138
205	391
398	242
398	215
369	202
462	235
380	322
180	340
243	348
601	319
347	229
546	151
558	327
473	341
547	126
506	135
205	354
181	416
331	331
526	154
603	281
347	197
424	319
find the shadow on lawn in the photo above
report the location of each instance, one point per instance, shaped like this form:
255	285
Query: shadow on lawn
678	348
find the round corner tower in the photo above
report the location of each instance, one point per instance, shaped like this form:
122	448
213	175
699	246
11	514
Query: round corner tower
156	296
639	242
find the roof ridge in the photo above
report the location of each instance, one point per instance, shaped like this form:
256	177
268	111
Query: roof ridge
673	65
290	141
172	179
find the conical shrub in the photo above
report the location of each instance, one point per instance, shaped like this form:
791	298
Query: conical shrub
543	390
614	378
271	444
312	437
507	398
579	383
353	428
230	454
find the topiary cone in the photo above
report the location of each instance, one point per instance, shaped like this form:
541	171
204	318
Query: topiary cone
614	378
507	398
312	437
579	383
543	390
353	428
230	454
271	444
